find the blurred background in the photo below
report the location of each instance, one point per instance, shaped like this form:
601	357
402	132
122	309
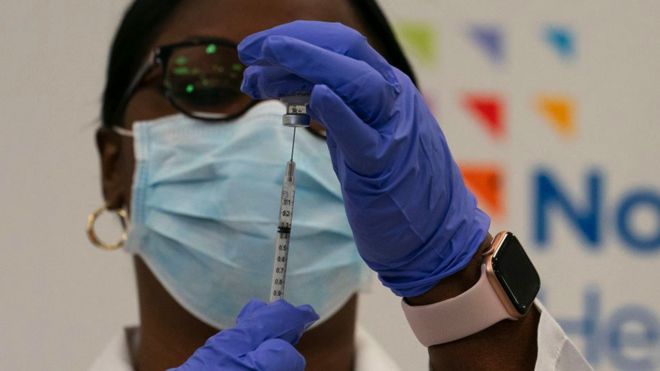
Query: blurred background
551	108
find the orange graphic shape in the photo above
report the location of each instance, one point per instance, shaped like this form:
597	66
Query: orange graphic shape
560	112
488	110
487	185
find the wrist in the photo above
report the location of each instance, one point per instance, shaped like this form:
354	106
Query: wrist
458	282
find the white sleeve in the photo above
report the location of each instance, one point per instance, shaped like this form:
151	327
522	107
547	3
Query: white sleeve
555	350
369	355
115	356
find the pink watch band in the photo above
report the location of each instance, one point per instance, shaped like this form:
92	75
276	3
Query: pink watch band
468	313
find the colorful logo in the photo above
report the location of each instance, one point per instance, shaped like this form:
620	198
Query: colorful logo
486	182
559	112
562	40
488	110
490	40
420	39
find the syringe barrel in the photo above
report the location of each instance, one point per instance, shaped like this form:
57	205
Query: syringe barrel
290	173
283	234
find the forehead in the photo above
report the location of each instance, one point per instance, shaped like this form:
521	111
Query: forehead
236	19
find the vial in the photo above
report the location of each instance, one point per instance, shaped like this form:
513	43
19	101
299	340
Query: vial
296	111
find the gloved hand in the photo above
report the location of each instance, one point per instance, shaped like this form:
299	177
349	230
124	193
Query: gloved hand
262	340
413	220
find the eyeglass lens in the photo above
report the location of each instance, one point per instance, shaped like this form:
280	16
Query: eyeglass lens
204	81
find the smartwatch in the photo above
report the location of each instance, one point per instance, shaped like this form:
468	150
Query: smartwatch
506	289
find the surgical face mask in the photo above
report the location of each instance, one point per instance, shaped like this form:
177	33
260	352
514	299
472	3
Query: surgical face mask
204	214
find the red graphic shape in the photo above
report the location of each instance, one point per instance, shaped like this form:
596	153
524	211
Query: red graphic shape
489	111
487	185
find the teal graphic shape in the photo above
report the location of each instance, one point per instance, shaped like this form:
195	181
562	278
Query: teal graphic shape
562	40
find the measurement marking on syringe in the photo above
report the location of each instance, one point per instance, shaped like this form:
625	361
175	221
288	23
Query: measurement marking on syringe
283	233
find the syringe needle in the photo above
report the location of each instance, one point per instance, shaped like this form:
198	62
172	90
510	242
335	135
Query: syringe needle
293	142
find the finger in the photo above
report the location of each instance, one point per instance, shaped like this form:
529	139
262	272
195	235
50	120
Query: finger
357	141
249	308
362	87
310	315
275	320
332	148
275	355
264	82
282	320
330	36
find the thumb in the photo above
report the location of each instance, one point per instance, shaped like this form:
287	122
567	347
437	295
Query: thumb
262	322
252	306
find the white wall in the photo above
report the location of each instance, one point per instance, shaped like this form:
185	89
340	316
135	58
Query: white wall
59	299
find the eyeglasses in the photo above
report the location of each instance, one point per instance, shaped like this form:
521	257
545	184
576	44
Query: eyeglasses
200	77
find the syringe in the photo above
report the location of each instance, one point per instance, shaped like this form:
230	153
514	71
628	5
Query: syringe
296	116
283	232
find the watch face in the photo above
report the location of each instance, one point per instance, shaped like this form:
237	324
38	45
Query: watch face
516	273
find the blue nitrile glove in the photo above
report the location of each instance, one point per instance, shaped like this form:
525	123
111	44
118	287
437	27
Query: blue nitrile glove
262	340
413	220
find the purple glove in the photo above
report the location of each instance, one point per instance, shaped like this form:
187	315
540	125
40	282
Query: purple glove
262	340
413	220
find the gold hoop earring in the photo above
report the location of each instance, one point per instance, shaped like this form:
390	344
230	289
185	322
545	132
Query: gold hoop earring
91	233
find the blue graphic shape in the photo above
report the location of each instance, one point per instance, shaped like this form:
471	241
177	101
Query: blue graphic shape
562	40
553	198
490	40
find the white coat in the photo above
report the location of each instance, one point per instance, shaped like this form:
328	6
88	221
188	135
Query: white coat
555	351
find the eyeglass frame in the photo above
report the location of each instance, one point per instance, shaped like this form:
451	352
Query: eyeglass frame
160	56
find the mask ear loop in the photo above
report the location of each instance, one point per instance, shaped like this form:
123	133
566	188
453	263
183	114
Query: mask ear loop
91	232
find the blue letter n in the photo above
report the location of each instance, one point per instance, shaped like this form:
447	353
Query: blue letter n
549	196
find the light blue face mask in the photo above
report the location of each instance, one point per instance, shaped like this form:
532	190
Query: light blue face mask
204	214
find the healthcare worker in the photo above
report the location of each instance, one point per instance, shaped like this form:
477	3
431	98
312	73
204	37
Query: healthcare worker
192	148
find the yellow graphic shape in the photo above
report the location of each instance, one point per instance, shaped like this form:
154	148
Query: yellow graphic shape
486	182
420	38
560	112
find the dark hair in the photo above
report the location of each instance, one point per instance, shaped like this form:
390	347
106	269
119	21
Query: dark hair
379	26
141	24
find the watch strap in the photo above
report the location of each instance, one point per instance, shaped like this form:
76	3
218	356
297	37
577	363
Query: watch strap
468	313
